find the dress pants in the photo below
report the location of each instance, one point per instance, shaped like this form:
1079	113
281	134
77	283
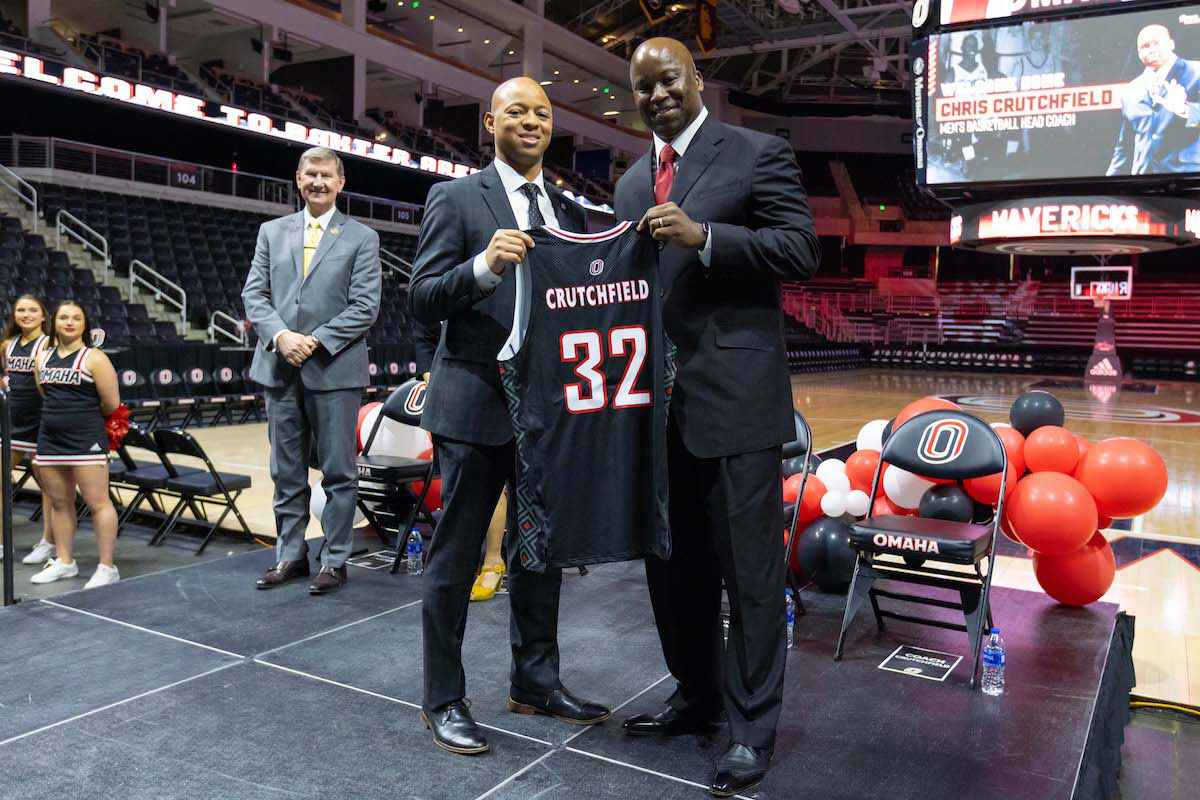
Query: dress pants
473	475
301	423
726	523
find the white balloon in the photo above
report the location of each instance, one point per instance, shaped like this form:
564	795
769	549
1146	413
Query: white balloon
903	488
836	482
856	503
832	466
1001	425
870	436
833	504
393	438
317	501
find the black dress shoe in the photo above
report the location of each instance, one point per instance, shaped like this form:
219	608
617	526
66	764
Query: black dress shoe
283	572
672	722
560	704
741	768
329	579
455	730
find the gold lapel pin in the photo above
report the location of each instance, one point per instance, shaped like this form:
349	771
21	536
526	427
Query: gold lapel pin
334	231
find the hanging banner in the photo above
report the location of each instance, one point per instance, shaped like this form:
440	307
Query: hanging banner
655	10
706	25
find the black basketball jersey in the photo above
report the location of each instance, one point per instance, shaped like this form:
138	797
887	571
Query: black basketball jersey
587	375
68	384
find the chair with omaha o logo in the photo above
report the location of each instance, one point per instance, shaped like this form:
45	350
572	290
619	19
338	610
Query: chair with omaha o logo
944	445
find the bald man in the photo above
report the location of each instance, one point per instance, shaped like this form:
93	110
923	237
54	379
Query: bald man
1161	111
471	238
729	206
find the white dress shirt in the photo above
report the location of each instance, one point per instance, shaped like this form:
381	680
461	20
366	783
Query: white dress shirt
323	221
519	202
680	146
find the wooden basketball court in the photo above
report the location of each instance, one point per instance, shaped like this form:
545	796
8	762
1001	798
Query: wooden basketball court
1158	558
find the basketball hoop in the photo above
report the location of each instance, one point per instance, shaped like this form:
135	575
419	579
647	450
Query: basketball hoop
1103	303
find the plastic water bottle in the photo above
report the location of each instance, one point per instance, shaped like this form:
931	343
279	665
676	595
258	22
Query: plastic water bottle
993	664
415	566
791	616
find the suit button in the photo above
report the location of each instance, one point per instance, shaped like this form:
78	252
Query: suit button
662	292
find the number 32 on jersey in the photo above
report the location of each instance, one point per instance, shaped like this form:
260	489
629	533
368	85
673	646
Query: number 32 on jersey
588	349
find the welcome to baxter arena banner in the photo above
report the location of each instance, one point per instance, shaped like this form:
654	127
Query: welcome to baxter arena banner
1064	98
49	73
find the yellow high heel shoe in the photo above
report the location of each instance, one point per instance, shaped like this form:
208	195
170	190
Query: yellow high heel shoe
480	591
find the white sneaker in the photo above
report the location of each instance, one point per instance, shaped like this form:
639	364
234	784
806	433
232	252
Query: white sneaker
42	552
54	570
102	577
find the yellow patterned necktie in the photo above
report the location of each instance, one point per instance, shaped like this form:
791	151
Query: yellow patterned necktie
310	243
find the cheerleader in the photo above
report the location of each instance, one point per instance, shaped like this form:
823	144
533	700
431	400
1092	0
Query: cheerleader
80	389
24	341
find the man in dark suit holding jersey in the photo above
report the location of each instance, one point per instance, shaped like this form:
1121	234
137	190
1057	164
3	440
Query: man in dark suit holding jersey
471	238
729	206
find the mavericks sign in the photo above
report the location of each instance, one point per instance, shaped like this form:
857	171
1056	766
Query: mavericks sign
29	68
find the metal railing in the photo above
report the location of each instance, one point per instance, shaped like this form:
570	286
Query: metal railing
39	152
142	274
235	330
61	226
16	183
394	263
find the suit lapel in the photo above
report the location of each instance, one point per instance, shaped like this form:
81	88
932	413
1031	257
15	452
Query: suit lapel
328	238
565	210
296	241
643	184
699	155
496	198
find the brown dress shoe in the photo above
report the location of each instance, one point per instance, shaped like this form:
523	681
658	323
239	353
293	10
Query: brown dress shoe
329	579
283	572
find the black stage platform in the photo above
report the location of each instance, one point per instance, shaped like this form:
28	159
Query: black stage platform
191	684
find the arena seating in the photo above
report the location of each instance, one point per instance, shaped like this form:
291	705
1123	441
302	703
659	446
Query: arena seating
115	57
245	92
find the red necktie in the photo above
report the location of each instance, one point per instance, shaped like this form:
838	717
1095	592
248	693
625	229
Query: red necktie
666	175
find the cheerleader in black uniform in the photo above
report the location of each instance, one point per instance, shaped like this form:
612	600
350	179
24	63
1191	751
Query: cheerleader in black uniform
80	387
24	342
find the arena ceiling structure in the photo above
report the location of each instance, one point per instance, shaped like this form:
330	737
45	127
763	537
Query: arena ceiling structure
829	56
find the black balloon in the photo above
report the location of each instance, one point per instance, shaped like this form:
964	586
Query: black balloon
946	501
887	430
1034	410
983	514
825	556
795	465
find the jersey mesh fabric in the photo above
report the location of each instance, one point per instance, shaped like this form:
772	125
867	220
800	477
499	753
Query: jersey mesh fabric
587	390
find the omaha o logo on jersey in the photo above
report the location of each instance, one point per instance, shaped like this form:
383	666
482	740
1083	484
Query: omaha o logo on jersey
415	402
597	267
942	441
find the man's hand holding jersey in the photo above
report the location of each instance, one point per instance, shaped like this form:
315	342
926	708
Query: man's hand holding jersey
506	247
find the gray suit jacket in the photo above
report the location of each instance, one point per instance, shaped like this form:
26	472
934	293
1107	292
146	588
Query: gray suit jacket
337	302
465	399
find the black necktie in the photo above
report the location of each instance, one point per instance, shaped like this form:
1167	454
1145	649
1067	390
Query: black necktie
536	220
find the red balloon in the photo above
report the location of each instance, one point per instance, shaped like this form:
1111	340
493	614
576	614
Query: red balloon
860	469
433	500
920	407
884	506
1051	449
1079	577
987	489
1104	523
1083	445
1052	513
810	503
358	431
1126	476
1014	445
791	487
1006	525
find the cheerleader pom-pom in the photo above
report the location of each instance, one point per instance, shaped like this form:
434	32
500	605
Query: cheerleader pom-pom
117	425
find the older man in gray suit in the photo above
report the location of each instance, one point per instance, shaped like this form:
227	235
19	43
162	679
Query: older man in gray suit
312	293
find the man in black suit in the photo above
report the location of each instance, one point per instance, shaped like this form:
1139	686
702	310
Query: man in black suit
729	204
470	238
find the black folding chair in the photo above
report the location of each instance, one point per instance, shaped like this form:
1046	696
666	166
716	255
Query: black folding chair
198	489
146	478
385	483
136	393
239	403
937	444
800	446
